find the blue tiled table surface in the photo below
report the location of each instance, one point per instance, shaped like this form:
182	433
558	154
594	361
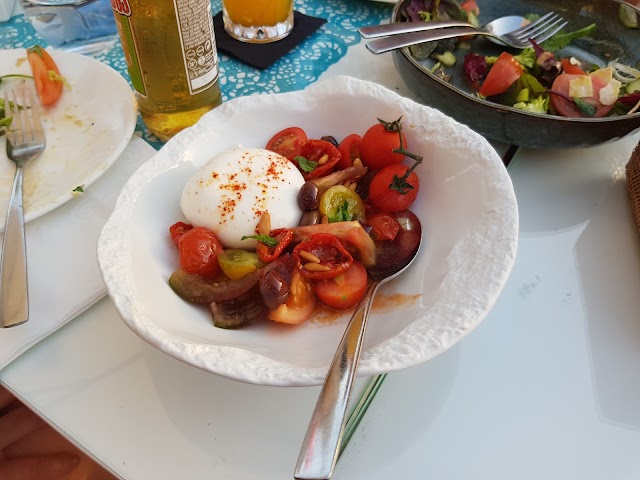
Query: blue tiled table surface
299	68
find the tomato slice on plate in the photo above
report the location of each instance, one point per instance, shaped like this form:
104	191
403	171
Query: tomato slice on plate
569	109
314	164
300	304
346	289
287	142
45	75
349	150
568	67
333	258
501	76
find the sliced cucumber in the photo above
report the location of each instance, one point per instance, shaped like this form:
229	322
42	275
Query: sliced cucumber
633	86
447	59
628	16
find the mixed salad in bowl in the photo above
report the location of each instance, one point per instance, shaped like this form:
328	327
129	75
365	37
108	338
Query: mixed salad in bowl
541	79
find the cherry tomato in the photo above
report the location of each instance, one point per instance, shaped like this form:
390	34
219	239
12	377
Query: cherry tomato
314	151
378	144
346	289
269	254
386	198
501	76
568	67
349	150
45	75
177	230
568	109
300	303
341	204
470	6
237	263
199	249
287	142
384	226
334	258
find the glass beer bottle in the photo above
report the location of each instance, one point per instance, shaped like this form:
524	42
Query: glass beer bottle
172	60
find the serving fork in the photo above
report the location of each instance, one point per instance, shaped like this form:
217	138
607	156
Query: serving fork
25	140
403	34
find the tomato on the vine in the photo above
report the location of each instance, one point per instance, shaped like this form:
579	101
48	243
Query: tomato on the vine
177	230
333	258
349	149
199	249
378	144
311	160
346	289
389	192
287	142
501	76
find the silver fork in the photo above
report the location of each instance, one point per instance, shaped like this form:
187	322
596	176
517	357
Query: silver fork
406	33
25	140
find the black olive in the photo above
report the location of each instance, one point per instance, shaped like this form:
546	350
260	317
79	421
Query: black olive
308	198
274	289
330	139
310	218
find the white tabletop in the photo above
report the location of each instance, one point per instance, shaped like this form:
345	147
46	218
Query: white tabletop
546	387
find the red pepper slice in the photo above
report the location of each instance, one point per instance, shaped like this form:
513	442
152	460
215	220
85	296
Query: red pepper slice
334	258
269	254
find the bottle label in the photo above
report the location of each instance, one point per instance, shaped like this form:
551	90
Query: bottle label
197	43
195	24
127	38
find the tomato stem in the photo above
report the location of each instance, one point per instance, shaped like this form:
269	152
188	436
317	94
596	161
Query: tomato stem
400	184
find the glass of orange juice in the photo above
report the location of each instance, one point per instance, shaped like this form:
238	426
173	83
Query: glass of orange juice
257	21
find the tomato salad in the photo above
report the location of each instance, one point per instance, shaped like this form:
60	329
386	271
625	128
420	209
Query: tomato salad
354	195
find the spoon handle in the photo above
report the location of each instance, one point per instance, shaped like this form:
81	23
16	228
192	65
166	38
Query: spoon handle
14	298
374	31
321	444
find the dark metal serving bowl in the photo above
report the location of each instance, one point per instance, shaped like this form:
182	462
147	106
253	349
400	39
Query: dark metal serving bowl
506	124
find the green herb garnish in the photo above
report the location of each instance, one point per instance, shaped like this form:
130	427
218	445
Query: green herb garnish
265	239
305	164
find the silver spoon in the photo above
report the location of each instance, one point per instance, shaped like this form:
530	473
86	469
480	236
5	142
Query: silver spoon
320	447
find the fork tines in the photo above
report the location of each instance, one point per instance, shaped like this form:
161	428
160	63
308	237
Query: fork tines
26	125
548	24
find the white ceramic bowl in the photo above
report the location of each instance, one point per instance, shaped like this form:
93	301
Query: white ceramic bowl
466	205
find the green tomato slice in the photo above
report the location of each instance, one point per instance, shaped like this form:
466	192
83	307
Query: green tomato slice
341	204
237	263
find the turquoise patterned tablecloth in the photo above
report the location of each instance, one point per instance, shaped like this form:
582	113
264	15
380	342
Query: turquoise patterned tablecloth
298	69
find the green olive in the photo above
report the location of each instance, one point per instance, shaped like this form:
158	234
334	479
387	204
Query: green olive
341	204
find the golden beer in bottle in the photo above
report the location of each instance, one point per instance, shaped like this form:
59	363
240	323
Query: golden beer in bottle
170	49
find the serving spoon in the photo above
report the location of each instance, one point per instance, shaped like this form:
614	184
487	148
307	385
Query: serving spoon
321	444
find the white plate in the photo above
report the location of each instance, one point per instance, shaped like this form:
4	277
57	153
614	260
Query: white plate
466	205
86	131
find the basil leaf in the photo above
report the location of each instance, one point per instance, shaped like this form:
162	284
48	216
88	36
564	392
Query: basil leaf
265	239
587	109
306	165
